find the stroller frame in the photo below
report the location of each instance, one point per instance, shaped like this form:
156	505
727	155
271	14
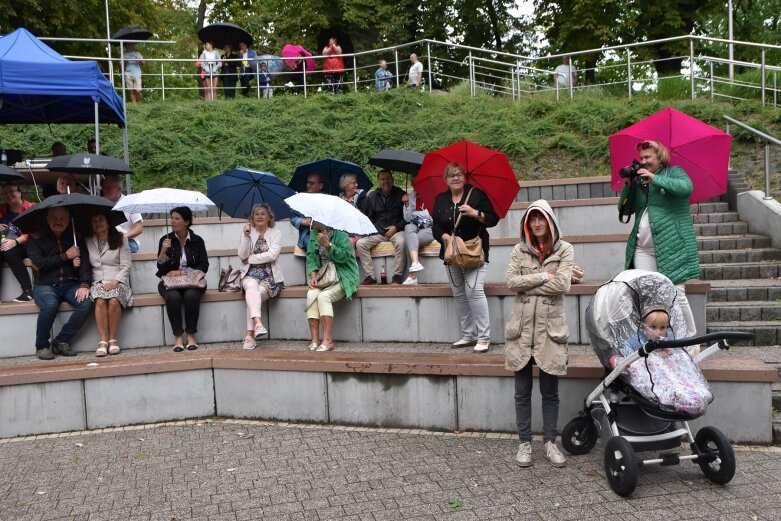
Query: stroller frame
710	448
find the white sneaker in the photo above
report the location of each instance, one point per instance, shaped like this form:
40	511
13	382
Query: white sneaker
524	456
260	330
482	346
464	342
553	454
409	280
416	266
249	343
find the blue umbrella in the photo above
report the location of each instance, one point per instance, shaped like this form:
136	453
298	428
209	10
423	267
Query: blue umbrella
273	63
236	191
331	170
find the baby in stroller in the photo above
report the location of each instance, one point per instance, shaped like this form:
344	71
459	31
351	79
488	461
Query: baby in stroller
644	309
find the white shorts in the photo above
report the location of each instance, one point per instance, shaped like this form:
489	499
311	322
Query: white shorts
133	82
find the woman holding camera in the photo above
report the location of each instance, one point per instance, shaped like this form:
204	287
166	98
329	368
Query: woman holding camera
663	237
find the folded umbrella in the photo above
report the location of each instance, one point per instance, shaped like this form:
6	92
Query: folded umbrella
700	149
333	212
331	171
236	191
486	169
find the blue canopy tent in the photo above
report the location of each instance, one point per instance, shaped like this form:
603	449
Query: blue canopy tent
39	85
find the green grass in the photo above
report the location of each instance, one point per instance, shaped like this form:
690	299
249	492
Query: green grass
182	143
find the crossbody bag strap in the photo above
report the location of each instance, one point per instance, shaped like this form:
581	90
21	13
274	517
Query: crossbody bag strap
461	215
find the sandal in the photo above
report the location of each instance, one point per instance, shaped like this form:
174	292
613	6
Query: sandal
178	349
113	347
324	347
313	346
102	348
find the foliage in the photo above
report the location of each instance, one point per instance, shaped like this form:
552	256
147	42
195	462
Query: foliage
182	143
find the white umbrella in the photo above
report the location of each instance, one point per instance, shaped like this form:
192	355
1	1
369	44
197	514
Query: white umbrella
333	212
163	200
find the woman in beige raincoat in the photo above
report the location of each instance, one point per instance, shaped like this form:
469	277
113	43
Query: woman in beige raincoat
540	272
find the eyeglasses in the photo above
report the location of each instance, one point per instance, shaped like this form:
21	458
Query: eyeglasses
455	176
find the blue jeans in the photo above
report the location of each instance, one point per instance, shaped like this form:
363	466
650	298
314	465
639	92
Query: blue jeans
48	298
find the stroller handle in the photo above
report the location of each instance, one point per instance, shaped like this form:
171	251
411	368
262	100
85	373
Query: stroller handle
653	345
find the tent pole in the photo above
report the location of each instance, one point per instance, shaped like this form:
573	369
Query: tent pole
127	155
97	141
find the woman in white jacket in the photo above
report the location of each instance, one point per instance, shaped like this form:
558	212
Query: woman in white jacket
109	256
261	277
210	62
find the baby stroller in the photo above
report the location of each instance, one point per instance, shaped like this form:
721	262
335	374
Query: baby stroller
631	416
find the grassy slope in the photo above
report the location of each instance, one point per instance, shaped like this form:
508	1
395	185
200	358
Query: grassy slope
181	144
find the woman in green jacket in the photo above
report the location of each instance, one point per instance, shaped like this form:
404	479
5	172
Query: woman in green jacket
327	245
663	237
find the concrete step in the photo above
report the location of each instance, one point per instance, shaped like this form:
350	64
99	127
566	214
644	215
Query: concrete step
743	311
741	270
733	242
715	217
768	333
740	255
710	207
745	290
713	229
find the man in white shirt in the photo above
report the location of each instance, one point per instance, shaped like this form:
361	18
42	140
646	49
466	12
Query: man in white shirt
564	74
134	226
415	75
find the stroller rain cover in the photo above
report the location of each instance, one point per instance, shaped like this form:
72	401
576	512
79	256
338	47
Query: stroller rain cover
668	378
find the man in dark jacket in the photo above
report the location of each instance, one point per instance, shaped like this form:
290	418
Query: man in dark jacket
385	208
64	275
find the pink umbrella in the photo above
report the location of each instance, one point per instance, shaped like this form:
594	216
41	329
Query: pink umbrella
700	149
293	53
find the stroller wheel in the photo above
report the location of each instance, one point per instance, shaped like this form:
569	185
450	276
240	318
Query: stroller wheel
717	459
579	436
621	466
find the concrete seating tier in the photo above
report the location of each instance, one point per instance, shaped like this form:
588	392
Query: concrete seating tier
404	390
423	313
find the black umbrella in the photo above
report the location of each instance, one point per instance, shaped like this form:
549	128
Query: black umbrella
344	40
88	164
81	208
405	161
9	174
131	33
222	33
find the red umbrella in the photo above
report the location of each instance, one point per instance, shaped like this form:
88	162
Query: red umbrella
293	53
487	169
700	149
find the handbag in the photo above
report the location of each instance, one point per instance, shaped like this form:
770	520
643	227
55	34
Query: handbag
190	279
230	280
461	253
327	276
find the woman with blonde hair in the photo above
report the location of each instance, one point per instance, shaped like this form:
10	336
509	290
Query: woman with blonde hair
262	278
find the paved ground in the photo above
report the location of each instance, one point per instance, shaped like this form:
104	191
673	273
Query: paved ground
238	470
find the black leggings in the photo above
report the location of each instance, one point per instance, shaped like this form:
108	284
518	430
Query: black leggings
175	300
15	259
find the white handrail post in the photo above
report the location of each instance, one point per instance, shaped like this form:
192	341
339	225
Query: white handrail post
122	69
691	65
762	73
629	72
767	170
355	73
711	80
428	54
396	52
162	79
303	73
471	76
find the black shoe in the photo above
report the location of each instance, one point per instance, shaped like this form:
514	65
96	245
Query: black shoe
192	347
396	279
26	296
368	281
62	348
44	353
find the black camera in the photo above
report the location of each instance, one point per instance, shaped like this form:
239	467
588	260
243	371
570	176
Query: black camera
630	172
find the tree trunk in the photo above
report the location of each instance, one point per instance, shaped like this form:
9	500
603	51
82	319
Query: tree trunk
494	17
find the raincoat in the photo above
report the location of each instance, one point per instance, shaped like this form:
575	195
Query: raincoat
537	325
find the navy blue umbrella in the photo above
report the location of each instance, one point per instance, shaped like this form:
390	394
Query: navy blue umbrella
236	191
330	170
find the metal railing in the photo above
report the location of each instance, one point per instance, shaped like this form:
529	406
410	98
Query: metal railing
704	71
768	141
